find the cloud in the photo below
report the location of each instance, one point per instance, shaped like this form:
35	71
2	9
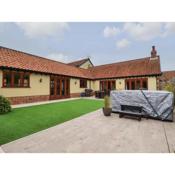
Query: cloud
110	31
59	57
42	29
144	31
123	43
169	28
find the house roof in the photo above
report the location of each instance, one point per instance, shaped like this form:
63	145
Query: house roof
16	59
10	58
78	63
168	75
137	67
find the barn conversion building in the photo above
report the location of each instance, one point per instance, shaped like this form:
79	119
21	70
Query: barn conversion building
26	78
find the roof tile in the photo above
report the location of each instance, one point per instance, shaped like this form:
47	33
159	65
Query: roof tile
20	60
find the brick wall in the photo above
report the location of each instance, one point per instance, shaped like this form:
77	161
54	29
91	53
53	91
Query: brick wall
75	95
37	98
28	99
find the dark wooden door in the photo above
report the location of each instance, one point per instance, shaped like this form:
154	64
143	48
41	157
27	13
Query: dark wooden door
59	87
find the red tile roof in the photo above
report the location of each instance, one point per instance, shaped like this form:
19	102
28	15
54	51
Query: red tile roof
20	60
168	75
16	59
137	67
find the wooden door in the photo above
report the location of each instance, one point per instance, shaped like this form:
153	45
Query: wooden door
59	87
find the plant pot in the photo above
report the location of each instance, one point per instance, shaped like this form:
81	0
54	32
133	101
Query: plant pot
107	111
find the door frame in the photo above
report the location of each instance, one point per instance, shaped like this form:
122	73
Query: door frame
66	87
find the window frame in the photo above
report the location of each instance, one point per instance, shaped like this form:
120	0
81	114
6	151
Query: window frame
12	78
107	85
135	80
84	84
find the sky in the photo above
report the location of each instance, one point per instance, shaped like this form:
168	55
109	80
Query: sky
103	42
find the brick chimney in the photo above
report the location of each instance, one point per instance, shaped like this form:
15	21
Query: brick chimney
153	53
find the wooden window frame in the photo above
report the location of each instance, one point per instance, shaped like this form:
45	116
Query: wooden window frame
12	73
83	83
130	80
104	84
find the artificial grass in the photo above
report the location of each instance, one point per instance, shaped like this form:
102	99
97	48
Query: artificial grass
27	120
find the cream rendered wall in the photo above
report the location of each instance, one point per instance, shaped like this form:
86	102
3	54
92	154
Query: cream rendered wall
120	84
96	85
75	85
36	88
152	83
86	65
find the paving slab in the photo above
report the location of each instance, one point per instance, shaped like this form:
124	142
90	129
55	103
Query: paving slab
1	151
94	133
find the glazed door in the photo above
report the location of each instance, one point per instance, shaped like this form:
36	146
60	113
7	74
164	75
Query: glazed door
59	87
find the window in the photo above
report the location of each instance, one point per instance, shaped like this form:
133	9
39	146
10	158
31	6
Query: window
137	83
113	85
7	79
15	79
63	87
107	85
52	86
58	86
127	85
133	85
144	84
83	83
26	80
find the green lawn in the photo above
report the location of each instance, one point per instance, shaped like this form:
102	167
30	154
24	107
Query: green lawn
27	120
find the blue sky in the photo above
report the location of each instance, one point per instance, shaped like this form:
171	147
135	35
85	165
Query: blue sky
102	42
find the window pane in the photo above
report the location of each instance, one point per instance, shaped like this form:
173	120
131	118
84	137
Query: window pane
7	79
63	87
67	87
113	85
58	86
83	83
145	84
108	85
105	85
127	85
52	86
133	85
138	84
17	79
26	80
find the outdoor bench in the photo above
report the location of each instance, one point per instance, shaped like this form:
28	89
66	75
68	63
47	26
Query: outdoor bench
131	110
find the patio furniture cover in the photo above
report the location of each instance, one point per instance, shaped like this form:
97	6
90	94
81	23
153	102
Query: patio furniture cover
156	104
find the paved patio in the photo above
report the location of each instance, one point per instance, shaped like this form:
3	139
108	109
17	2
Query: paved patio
94	133
1	151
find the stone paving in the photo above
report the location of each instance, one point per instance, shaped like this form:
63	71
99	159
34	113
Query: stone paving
1	151
94	133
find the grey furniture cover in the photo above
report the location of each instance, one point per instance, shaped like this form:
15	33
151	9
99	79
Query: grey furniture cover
156	104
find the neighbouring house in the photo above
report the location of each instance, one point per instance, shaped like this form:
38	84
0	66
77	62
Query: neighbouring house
26	78
167	77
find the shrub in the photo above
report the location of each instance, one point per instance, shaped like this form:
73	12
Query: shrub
107	101
4	105
171	88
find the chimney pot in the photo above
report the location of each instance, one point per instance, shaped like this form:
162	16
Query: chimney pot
153	52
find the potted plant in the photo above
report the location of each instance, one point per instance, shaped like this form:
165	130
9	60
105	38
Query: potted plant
107	109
